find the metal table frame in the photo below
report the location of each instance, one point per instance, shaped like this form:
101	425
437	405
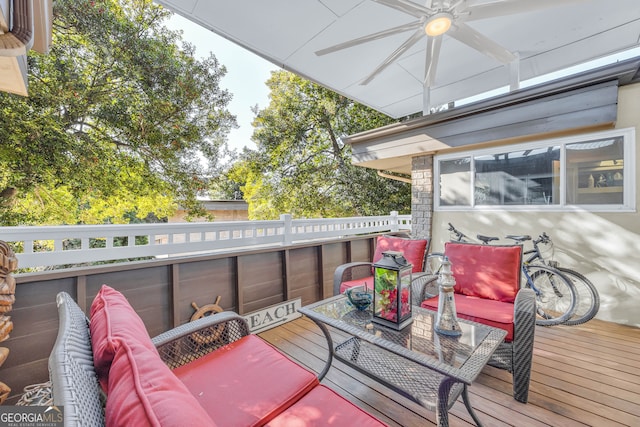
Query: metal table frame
428	368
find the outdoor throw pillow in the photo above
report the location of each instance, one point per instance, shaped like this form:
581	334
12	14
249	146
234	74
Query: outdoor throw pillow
413	249
112	320
485	271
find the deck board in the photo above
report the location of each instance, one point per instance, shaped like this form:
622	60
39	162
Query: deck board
581	375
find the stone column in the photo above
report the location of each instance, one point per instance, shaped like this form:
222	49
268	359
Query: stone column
421	196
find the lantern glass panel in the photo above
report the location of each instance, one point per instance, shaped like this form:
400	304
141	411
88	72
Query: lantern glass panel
392	296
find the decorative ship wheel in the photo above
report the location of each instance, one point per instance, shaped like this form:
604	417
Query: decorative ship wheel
207	336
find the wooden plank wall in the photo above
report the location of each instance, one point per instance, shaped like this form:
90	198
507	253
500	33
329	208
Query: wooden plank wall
161	291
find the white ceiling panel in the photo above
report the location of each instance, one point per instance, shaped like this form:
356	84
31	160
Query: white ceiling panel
563	33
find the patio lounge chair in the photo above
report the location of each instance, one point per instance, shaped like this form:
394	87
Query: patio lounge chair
361	273
488	291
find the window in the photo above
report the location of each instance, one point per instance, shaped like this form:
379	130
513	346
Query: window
455	178
592	171
595	172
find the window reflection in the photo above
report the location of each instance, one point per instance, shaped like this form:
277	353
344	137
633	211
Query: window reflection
525	177
455	182
595	172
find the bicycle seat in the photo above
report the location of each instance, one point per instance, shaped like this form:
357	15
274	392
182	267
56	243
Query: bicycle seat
486	239
522	238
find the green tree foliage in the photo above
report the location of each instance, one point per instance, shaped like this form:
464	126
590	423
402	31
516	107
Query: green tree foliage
301	165
121	120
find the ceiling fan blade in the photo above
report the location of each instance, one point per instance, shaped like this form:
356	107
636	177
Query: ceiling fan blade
371	37
510	7
467	35
407	7
417	36
433	5
432	57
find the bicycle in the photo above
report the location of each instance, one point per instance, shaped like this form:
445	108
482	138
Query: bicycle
587	297
555	293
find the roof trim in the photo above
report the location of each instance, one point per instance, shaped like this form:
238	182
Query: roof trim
625	72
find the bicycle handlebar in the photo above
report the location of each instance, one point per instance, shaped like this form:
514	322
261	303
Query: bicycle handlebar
459	235
543	238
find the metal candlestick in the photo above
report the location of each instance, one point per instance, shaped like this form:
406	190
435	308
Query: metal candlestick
447	319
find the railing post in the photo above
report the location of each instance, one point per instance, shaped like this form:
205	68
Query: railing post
394	221
288	232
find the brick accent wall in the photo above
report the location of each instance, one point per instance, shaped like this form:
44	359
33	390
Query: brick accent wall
421	196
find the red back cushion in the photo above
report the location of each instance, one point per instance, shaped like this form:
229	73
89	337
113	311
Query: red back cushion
413	249
112	320
485	271
144	392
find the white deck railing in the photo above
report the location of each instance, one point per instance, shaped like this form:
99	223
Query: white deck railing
51	245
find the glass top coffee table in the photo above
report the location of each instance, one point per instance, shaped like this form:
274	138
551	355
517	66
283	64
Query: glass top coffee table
429	368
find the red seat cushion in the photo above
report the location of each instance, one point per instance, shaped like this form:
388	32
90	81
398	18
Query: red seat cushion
246	383
144	392
413	249
367	281
485	271
486	311
113	320
323	407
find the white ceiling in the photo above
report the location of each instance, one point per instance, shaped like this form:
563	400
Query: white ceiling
289	32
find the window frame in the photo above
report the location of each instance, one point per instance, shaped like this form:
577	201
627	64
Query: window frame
629	177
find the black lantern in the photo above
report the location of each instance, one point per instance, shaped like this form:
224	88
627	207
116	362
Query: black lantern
392	290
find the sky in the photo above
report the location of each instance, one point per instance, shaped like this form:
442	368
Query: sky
245	79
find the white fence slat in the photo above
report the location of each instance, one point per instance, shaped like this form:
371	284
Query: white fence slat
179	239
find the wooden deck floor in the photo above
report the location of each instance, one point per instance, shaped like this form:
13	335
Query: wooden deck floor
581	375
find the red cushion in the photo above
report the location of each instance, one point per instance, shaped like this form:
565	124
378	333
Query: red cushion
485	271
144	392
324	407
413	249
245	383
486	311
113	319
367	281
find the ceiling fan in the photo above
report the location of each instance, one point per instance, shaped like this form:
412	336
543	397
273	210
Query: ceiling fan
439	17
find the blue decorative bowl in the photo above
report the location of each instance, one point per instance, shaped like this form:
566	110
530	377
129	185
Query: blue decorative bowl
359	298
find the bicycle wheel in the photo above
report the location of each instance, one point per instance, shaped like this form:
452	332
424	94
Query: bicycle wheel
588	299
555	295
434	262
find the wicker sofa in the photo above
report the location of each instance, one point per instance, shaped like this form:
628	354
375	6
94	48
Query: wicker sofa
107	371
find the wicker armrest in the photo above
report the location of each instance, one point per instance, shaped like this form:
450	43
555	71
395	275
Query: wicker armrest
524	320
423	286
350	271
193	340
73	380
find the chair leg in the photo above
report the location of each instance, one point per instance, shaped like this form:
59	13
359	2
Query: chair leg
524	331
521	368
521	380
